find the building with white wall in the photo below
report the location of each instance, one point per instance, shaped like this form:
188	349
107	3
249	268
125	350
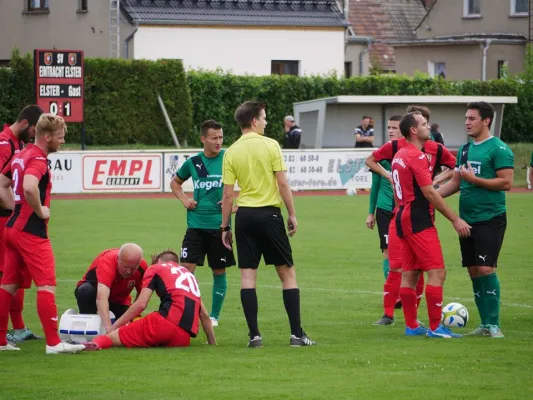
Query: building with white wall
256	37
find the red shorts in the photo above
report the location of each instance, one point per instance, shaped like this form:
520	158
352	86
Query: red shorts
27	258
153	330
422	251
3	222
395	246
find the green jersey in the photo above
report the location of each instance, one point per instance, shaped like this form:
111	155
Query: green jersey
531	162
206	174
381	191
486	158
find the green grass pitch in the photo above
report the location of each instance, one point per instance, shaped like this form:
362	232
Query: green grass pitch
339	271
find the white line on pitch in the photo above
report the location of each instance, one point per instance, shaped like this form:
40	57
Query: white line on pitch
353	291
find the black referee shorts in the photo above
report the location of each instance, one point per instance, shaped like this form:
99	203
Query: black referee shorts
260	231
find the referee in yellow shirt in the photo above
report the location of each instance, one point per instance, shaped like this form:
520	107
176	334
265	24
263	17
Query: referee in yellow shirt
257	164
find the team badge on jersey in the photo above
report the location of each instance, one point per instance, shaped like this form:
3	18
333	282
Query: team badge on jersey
72	58
131	284
47	58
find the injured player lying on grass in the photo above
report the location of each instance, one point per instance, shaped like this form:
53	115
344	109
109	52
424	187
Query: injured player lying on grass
177	319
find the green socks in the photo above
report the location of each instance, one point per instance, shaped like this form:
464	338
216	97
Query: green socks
491	298
487	296
386	267
477	287
220	285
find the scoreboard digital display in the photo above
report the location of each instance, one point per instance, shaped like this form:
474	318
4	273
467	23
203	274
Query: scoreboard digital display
59	83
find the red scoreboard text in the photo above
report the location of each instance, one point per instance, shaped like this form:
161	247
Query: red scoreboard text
59	83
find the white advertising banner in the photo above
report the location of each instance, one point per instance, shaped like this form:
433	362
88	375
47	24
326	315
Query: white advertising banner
172	162
126	172
306	169
327	169
137	171
66	172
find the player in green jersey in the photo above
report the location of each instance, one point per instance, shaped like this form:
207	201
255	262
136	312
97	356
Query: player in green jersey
382	198
204	213
484	171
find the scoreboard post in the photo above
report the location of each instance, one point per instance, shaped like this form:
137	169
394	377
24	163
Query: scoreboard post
59	84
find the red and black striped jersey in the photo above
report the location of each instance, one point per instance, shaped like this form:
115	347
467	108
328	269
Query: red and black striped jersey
30	161
438	155
9	146
410	172
179	293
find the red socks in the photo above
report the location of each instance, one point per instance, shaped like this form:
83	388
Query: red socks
419	289
15	311
434	303
410	311
391	289
103	342
47	310
5	301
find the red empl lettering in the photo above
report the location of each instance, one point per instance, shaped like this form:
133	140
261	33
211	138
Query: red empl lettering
118	168
137	166
97	171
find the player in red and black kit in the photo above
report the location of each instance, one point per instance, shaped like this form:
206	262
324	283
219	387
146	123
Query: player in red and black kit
416	199
109	281
177	319
438	156
12	140
25	187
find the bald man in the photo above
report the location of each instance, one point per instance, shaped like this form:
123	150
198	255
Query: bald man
109	281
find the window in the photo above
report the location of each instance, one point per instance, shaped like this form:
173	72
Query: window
502	69
38	5
472	8
520	7
280	67
82	5
347	69
437	69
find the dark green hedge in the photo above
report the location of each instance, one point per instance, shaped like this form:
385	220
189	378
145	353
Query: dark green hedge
216	95
121	98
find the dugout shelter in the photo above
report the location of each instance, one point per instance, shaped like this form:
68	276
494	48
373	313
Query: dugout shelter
330	122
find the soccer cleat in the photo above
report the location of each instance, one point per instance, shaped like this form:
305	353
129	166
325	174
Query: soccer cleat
418	331
495	332
385	320
214	321
481	330
10	338
27	334
256	342
301	341
442	332
9	347
64	348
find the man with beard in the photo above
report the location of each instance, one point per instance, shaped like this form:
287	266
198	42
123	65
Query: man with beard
12	140
483	173
25	186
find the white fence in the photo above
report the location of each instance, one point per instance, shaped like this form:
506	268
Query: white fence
152	171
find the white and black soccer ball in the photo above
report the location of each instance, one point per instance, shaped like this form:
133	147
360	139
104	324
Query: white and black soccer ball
351	192
454	315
